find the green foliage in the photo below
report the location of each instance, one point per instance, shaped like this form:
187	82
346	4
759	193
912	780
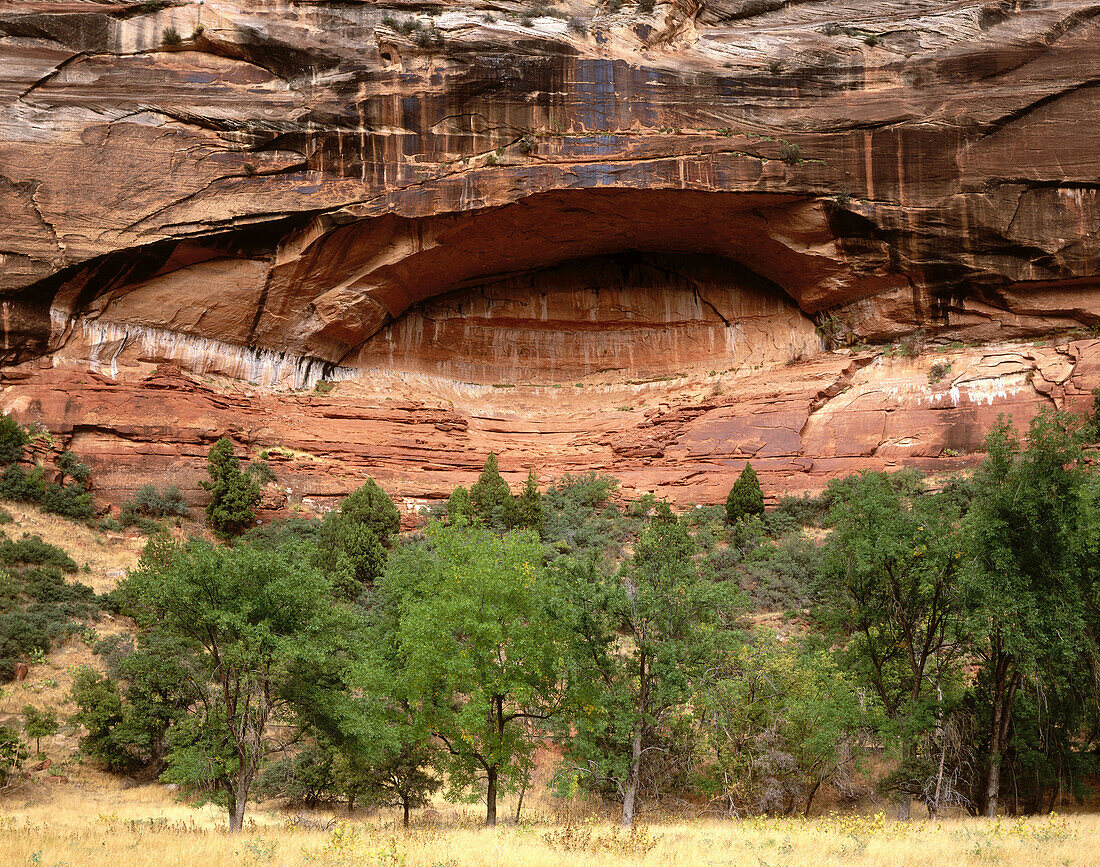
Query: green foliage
745	497
70	501
71	466
634	699
580	517
459	505
528	511
37	605
13	439
148	502
261	643
1027	582
13	752
40	723
351	543
233	495
781	719
261	472
491	499
471	644
22	486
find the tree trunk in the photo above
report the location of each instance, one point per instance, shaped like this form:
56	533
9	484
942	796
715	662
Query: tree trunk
906	803
238	797
631	792
810	799
522	792
491	798
405	810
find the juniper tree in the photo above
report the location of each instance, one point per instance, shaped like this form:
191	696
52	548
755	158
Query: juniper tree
745	497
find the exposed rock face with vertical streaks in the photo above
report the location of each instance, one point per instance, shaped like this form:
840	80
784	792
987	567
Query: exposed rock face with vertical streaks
256	196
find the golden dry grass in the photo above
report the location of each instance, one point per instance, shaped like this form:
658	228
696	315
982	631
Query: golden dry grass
110	825
107	557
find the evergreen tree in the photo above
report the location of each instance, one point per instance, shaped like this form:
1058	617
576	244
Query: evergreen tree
745	497
234	496
459	505
352	542
491	499
529	506
13	436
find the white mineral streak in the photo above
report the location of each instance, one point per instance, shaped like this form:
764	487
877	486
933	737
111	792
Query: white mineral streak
108	340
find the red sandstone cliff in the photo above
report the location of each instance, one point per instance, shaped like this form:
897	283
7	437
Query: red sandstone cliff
462	222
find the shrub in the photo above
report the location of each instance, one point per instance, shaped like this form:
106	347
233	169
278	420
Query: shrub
13	752
938	371
171	36
71	466
646	6
22	486
261	472
576	25
32	551
151	503
13	437
791	154
39	723
70	501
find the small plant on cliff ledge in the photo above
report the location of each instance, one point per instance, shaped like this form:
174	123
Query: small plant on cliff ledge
234	496
938	371
171	36
791	154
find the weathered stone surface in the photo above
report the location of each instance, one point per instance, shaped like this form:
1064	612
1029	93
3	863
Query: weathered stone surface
686	439
297	190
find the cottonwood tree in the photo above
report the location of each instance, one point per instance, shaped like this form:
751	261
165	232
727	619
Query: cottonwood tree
889	584
779	719
644	640
473	650
1028	602
266	651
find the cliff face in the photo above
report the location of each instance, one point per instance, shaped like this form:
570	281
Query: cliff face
424	208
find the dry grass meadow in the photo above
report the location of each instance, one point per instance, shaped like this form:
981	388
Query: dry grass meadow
66	825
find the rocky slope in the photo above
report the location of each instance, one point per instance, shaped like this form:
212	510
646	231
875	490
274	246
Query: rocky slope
458	212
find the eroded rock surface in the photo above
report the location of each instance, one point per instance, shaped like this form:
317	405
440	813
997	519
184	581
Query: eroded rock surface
281	192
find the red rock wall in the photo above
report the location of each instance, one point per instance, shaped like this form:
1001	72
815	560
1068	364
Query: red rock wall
298	191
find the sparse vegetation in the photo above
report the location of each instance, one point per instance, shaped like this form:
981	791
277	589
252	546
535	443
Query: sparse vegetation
171	36
789	153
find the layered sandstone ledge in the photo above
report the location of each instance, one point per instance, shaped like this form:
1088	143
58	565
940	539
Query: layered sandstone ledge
683	438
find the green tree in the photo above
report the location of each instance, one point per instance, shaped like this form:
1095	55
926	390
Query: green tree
39	723
888	584
491	499
745	497
459	505
13	438
472	650
1027	599
632	693
528	511
13	752
352	542
780	720
268	654
233	494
